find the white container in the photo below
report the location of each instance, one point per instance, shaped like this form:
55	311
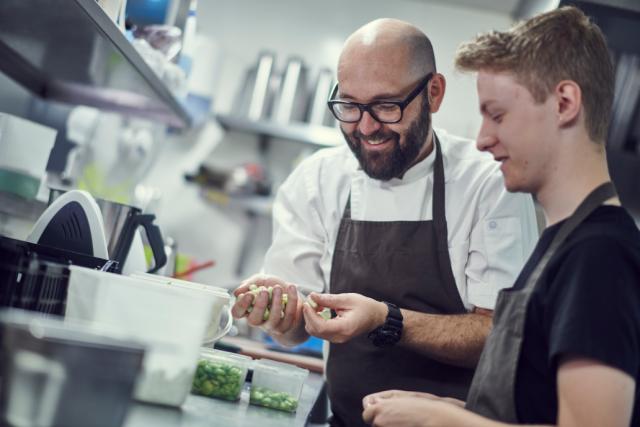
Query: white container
220	374
169	320
216	328
277	385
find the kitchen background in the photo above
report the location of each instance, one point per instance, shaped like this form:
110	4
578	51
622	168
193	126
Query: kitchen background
208	184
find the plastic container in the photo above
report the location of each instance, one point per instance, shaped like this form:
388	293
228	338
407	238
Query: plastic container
220	374
217	327
170	320
277	385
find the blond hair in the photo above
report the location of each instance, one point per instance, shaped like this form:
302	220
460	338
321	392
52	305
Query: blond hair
559	45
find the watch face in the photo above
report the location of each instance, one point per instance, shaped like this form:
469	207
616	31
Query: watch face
384	337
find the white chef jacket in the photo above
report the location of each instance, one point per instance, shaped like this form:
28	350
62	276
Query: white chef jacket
491	232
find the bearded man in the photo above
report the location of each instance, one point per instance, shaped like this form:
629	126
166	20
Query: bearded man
405	233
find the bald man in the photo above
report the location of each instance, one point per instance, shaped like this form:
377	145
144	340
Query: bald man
405	233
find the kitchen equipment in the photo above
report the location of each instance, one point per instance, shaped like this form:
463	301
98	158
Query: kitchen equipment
277	385
24	151
120	224
221	304
61	374
35	277
255	97
220	374
317	111
290	102
170	320
74	223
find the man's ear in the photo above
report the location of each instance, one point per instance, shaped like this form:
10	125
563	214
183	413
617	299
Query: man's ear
437	87
569	102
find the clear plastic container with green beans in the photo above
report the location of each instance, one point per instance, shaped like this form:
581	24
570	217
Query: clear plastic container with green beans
220	374
277	385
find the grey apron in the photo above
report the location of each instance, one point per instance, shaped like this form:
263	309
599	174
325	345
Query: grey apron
492	392
405	263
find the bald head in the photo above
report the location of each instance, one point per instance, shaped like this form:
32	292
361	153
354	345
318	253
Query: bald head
393	42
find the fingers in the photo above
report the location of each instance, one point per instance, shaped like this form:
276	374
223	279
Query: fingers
291	313
275	317
255	318
333	301
369	413
242	304
244	285
375	397
333	330
265	280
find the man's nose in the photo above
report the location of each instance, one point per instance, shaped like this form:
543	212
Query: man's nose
486	138
367	124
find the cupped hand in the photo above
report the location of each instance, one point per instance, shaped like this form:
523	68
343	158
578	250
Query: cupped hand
356	314
253	307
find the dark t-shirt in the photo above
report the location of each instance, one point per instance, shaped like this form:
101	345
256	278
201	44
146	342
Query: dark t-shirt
586	304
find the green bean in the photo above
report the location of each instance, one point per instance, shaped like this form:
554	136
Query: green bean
325	313
255	290
279	400
217	379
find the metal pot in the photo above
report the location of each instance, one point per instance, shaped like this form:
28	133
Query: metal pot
120	225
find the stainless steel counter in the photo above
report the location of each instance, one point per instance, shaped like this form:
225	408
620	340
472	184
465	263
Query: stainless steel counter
200	411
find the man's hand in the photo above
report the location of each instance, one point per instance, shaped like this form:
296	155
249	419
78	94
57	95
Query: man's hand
408	411
276	324
387	394
356	314
396	408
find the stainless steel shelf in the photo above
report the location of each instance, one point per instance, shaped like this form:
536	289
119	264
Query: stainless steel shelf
70	51
322	136
259	205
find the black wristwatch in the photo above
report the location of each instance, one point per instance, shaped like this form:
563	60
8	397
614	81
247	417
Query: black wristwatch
391	331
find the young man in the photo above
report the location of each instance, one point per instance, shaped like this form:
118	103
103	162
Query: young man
565	346
399	214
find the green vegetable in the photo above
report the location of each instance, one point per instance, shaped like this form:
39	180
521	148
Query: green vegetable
325	313
255	290
217	379
273	399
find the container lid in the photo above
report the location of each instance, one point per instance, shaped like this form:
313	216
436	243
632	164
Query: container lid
281	369
226	357
185	283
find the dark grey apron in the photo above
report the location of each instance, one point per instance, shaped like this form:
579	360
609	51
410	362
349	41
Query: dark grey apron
492	392
405	263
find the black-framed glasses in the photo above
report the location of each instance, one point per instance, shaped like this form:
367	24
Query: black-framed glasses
382	111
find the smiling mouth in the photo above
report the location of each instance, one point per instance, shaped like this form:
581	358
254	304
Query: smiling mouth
375	142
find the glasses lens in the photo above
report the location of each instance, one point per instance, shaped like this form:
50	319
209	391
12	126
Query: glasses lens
387	112
346	112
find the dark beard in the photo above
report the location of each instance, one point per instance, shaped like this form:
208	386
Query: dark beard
384	166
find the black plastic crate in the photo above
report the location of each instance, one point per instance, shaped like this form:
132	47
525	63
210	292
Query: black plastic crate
36	277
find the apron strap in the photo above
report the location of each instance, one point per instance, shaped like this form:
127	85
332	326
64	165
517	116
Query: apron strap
438	208
594	199
347	209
